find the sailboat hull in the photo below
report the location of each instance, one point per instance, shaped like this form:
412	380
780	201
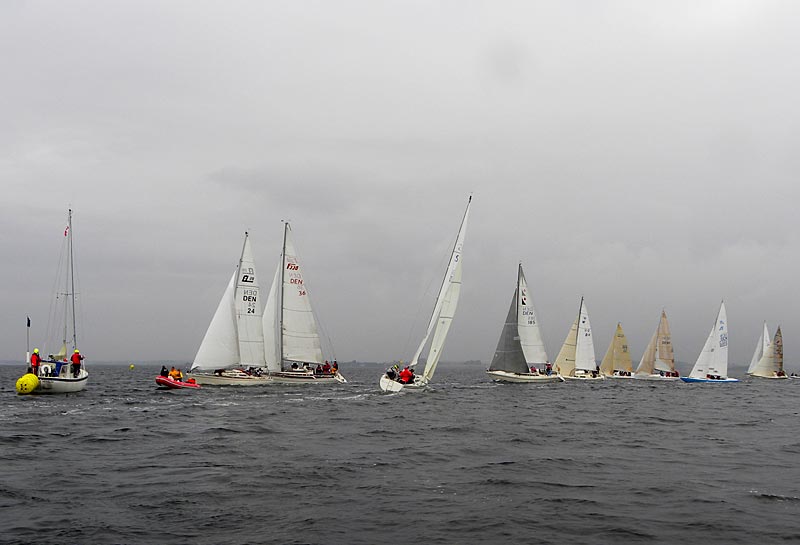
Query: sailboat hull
770	378
585	375
389	385
505	376
303	377
692	379
656	378
229	379
622	377
61	385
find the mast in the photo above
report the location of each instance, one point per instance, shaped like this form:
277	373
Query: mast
519	276
280	317
238	279
72	281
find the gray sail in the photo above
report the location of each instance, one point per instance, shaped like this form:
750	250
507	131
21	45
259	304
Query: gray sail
509	356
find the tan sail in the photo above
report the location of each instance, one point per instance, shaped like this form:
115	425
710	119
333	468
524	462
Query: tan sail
648	362
666	356
771	363
565	361
617	357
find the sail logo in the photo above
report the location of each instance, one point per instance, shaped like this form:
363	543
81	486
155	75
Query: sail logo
292	266
723	340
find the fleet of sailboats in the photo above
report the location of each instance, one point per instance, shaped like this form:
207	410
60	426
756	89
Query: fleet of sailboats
439	324
520	355
246	344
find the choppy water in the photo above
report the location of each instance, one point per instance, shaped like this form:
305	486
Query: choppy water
469	461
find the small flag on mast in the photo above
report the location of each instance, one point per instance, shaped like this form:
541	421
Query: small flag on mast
66	230
29	321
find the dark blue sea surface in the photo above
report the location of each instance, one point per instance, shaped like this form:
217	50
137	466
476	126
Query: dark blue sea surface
468	461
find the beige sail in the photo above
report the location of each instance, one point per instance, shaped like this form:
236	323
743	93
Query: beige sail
648	362
666	356
771	363
617	357
565	361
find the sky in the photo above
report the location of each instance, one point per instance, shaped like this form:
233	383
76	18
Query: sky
642	155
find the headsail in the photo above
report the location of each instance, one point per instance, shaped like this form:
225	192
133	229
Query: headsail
713	359
565	361
761	348
453	268
270	321
220	347
509	355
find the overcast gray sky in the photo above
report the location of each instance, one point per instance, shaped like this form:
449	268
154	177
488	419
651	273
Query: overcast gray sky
642	154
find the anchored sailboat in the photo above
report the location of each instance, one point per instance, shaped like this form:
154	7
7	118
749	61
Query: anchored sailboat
617	361
520	355
56	375
767	360
441	318
659	355
712	363
576	359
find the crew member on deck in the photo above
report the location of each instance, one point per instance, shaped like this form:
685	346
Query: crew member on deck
326	369
36	360
406	375
76	362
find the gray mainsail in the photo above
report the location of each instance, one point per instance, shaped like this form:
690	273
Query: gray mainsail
509	356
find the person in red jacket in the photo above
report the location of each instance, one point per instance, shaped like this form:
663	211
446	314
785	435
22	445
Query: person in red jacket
76	363
36	360
406	375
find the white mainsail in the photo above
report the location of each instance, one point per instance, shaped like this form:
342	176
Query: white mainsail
299	340
584	346
761	348
247	305
234	337
713	359
617	357
446	297
530	334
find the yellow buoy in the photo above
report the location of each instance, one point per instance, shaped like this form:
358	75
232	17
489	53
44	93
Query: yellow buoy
131	367
27	383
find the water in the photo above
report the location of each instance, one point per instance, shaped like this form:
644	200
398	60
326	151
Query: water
469	461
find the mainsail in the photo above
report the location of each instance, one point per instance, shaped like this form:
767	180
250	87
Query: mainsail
617	357
713	359
584	346
446	303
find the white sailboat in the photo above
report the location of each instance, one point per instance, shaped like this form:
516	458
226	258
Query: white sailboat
712	363
232	351
617	361
441	318
659	355
520	355
55	374
767	360
293	350
576	359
